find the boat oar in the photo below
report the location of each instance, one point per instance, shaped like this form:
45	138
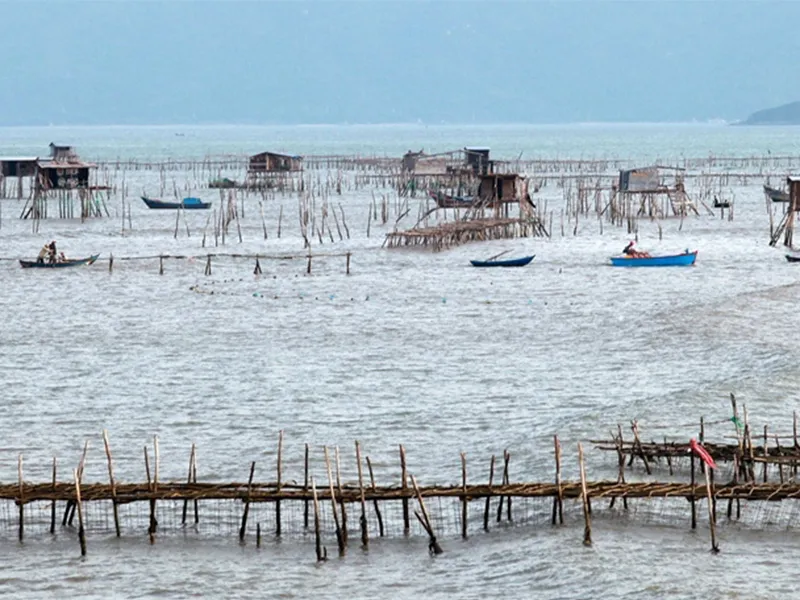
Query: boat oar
497	255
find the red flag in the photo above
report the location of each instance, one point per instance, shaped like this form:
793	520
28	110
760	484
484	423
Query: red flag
702	453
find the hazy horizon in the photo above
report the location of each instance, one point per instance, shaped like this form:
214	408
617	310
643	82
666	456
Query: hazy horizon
391	62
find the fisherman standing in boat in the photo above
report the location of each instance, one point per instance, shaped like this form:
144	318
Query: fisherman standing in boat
43	253
53	253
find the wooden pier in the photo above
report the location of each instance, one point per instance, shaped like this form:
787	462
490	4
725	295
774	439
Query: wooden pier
455	233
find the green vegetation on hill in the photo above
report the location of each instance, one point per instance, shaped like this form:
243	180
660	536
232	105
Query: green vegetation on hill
787	114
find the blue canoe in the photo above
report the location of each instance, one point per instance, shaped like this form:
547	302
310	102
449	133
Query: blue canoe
675	260
509	262
186	203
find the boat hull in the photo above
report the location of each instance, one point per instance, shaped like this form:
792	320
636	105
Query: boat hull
32	264
776	195
446	201
161	205
675	260
511	262
793	259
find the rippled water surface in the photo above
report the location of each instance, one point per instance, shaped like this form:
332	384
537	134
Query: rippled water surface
412	347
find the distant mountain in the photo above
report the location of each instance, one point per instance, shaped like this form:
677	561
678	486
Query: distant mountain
786	114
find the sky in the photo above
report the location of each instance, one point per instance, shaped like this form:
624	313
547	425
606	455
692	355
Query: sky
83	62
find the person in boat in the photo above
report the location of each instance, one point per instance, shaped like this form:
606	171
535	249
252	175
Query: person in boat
632	252
61	257
44	252
53	254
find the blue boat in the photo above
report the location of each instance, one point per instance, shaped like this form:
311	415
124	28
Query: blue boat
508	262
186	203
674	260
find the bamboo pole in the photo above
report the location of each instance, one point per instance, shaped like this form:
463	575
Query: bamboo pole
424	519
246	511
404	486
341	495
363	519
375	500
81	531
21	502
558	501
112	483
712	519
587	530
339	538
53	503
305	488
188	481
464	496
280	469
488	497
322	552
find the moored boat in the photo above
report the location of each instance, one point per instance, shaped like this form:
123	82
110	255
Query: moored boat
186	203
793	258
673	260
72	262
447	201
776	195
508	262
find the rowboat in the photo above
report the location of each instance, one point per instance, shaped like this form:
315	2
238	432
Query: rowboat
508	262
776	195
186	203
793	258
73	262
674	260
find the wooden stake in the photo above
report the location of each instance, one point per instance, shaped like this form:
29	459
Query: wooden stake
305	489
322	552
375	501
433	545
558	501
464	495
693	498
363	519
489	497
341	495
339	538
21	500
81	531
188	481
587	529
712	519
53	503
111	481
280	469
404	486
243	528
151	530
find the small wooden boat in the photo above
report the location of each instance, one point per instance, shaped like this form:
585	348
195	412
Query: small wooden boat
447	201
72	262
675	260
793	258
776	195
223	183
507	262
186	203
